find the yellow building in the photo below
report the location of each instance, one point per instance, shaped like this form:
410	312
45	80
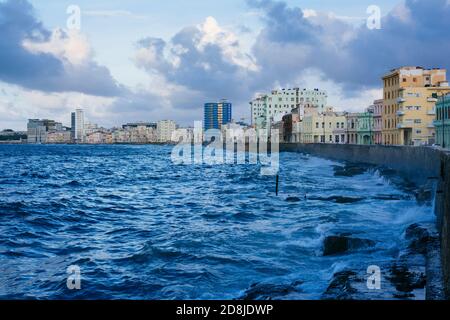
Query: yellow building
409	105
416	114
327	127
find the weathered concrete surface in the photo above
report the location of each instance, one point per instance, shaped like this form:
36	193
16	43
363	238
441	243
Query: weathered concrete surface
443	214
419	165
416	163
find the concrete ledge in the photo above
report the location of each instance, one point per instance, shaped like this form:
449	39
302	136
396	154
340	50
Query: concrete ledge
417	163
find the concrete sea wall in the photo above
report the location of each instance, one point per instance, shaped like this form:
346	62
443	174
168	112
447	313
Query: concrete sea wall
420	165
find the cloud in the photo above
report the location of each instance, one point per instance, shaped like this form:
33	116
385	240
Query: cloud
292	40
347	58
68	46
18	104
35	58
206	62
204	58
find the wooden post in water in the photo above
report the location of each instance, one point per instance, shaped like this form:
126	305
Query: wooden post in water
278	184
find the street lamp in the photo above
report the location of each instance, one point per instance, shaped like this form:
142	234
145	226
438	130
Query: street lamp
443	120
324	124
370	123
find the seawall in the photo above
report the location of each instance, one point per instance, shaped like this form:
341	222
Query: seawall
421	165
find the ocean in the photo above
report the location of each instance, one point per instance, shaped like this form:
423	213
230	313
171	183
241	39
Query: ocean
140	227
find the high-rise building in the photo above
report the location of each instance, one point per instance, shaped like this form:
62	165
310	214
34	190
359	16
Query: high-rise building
410	95
217	115
38	130
270	108
78	128
165	129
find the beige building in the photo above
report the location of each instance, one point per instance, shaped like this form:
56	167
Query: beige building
377	110
97	137
327	127
165	129
409	105
58	137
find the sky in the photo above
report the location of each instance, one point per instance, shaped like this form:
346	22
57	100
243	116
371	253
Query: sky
151	60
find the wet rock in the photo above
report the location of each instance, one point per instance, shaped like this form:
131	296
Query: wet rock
350	170
341	287
339	199
404	296
419	238
342	243
259	291
424	195
406	281
391	197
293	199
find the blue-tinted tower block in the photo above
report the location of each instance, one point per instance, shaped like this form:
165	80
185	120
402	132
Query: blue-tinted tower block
217	115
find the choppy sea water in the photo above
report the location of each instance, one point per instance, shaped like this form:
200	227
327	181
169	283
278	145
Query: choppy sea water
140	227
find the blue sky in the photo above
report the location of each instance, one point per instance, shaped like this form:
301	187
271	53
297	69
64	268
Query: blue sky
151	60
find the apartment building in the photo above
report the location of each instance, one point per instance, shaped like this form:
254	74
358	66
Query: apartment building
165	129
442	122
377	110
38	130
410	95
326	127
267	109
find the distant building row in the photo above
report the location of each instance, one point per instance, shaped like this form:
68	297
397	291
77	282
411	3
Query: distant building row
52	132
414	111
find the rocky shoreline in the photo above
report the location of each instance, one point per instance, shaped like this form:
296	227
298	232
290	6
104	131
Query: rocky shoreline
410	276
415	273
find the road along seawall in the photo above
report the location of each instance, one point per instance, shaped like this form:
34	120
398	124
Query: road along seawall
421	165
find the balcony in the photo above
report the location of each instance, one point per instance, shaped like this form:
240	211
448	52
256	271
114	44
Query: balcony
401	100
431	99
405	125
400	113
431	112
430	126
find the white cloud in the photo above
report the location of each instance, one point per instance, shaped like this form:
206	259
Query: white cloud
213	34
307	13
403	13
17	105
68	46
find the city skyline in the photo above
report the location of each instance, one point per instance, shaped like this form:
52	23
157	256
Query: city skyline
171	68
